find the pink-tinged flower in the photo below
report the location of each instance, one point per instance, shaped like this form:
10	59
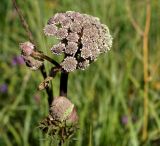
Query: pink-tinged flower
69	64
28	53
71	48
58	48
73	37
84	37
27	48
50	30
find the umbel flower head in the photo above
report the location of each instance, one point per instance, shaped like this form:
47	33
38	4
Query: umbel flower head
62	120
82	38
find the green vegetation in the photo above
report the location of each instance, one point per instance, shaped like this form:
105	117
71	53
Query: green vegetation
109	95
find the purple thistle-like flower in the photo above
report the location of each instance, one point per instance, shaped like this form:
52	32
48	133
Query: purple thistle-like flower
17	60
3	88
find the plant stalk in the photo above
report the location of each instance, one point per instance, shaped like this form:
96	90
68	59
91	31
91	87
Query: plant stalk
63	83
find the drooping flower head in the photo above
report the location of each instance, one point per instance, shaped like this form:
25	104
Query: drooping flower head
82	38
27	49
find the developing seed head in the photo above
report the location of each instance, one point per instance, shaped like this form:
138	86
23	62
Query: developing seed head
62	119
84	36
62	109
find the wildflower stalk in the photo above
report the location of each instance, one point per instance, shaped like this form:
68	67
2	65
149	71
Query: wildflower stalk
133	21
61	143
48	90
24	23
144	33
63	83
45	57
81	41
145	68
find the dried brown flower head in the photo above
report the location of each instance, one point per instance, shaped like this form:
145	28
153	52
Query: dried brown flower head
83	36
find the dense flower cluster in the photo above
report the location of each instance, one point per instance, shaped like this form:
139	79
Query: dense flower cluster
82	38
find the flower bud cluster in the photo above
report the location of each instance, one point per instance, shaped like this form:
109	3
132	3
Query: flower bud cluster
62	119
27	49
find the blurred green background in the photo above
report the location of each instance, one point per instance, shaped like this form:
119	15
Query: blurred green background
108	95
